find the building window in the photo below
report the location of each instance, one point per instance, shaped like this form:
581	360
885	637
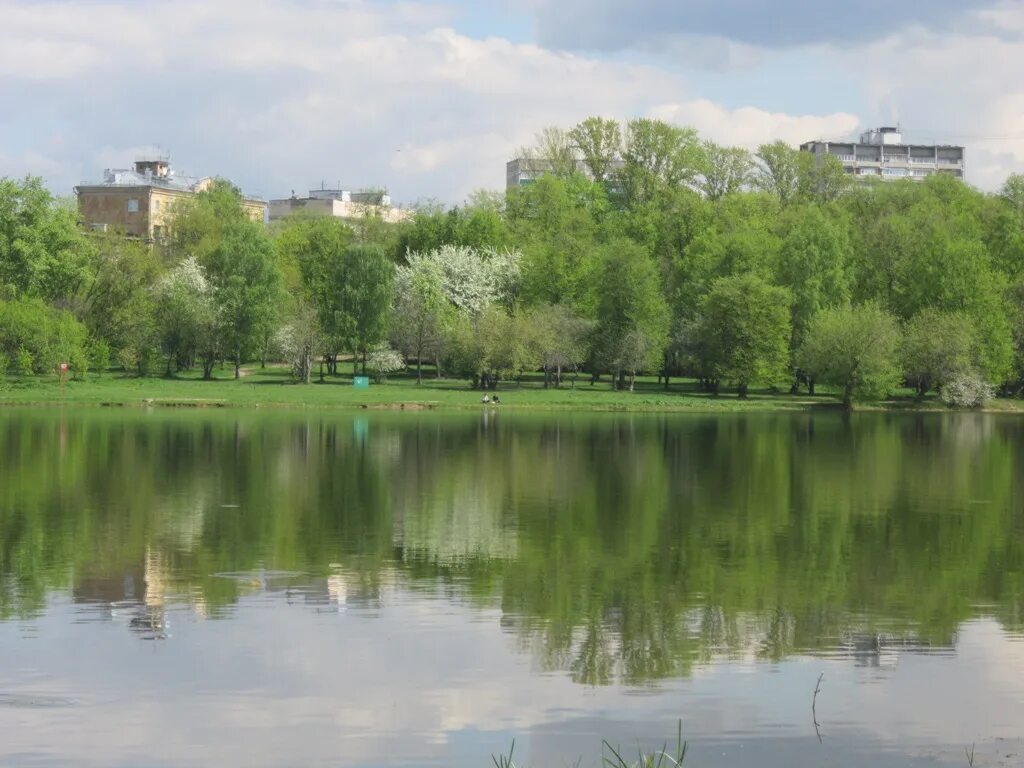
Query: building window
156	205
133	205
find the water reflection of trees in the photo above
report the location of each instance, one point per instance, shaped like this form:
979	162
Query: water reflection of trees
618	548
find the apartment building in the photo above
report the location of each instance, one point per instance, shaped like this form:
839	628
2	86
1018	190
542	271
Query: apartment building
139	202
526	170
882	154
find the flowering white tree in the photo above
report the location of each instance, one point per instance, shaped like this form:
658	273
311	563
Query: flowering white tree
474	278
185	312
421	314
383	360
299	339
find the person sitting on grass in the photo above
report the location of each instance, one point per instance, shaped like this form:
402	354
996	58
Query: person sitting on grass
495	400
485	400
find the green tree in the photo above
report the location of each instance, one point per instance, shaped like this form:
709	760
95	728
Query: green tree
1012	191
199	224
781	171
36	337
854	348
563	341
299	339
245	279
599	144
42	251
793	176
937	346
119	306
421	314
316	247
724	170
744	331
184	313
656	156
632	316
483	345
829	179
923	246
479	224
557	224
366	288
554	151
812	264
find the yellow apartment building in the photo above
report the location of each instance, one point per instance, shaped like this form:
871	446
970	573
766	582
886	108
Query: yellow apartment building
140	201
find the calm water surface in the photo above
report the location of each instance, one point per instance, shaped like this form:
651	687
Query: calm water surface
190	589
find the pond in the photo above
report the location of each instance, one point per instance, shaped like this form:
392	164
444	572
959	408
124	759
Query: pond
187	588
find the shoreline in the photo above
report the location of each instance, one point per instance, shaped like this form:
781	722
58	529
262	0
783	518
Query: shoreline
267	390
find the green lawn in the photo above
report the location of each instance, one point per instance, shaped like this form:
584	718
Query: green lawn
271	387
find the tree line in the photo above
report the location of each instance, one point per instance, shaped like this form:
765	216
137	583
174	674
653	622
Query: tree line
638	248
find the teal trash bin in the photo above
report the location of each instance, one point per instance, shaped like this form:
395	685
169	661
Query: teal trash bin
361	382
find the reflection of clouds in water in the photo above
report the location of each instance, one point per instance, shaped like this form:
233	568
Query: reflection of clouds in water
975	694
288	685
300	691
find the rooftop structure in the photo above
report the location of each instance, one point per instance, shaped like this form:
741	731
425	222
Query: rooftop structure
340	203
882	154
138	201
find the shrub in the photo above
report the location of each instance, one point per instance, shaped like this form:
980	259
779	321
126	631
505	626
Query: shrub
99	356
136	360
23	362
966	391
36	338
79	363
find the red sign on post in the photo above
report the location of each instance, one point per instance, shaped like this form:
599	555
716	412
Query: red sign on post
63	367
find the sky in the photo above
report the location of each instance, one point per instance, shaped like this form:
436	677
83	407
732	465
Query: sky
430	98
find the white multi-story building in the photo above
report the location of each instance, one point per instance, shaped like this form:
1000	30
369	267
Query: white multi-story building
525	170
340	203
881	154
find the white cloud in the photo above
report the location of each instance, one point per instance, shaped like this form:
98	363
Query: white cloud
279	95
749	127
963	88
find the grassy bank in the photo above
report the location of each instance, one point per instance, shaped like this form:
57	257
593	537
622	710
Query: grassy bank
271	387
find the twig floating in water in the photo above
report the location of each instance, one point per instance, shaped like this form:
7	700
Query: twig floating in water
814	707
